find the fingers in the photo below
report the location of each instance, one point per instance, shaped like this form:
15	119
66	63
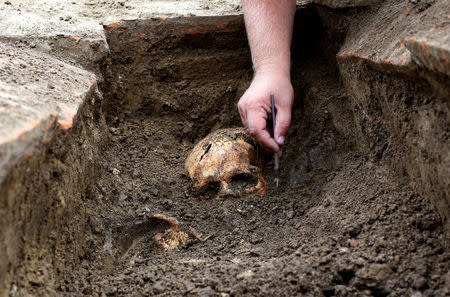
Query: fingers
255	106
282	124
256	120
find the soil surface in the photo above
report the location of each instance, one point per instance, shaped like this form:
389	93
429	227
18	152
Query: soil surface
107	11
340	224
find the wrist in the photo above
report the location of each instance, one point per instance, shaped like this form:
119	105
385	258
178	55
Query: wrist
281	67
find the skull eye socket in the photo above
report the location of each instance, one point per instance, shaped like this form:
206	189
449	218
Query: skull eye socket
243	180
210	189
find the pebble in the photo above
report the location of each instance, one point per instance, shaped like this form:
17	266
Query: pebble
140	260
256	240
359	261
115	171
290	214
377	273
154	192
417	281
136	173
110	290
168	204
245	274
189	286
435	277
343	249
44	47
159	287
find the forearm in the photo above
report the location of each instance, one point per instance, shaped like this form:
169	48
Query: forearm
269	29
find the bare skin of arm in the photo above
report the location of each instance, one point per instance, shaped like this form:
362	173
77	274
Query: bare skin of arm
269	28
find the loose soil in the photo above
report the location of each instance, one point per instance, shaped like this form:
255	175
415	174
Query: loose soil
340	224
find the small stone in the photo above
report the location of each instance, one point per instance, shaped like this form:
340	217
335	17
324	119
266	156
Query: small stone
245	274
360	261
256	240
154	191
290	214
352	230
343	249
44	47
110	290
50	86
435	277
389	286
7	2
168	204
136	173
115	171
189	286
417	281
353	242
374	275
159	287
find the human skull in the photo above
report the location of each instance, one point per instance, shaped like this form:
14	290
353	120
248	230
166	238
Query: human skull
220	156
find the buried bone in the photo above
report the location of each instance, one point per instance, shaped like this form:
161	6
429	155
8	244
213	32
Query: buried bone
172	237
164	230
220	156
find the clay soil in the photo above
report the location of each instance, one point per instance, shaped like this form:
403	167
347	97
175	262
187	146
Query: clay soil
340	224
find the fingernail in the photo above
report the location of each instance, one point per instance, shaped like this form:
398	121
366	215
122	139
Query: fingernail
280	140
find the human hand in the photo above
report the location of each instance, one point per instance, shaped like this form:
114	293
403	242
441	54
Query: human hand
255	106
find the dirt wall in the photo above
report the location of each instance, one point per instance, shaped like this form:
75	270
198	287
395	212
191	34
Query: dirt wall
44	219
400	108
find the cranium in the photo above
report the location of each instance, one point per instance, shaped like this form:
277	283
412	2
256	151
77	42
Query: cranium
220	156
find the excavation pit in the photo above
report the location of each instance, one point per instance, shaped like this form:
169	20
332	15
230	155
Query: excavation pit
348	219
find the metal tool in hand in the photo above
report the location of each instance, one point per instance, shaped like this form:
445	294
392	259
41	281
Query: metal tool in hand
275	155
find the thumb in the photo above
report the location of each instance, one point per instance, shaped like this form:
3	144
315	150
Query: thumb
282	124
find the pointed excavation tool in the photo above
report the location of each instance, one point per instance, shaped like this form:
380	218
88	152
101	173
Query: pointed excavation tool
275	155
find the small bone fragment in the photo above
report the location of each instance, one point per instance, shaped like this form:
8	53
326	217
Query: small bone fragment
172	237
196	235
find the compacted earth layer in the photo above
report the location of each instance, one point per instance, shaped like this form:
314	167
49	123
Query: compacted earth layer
340	224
